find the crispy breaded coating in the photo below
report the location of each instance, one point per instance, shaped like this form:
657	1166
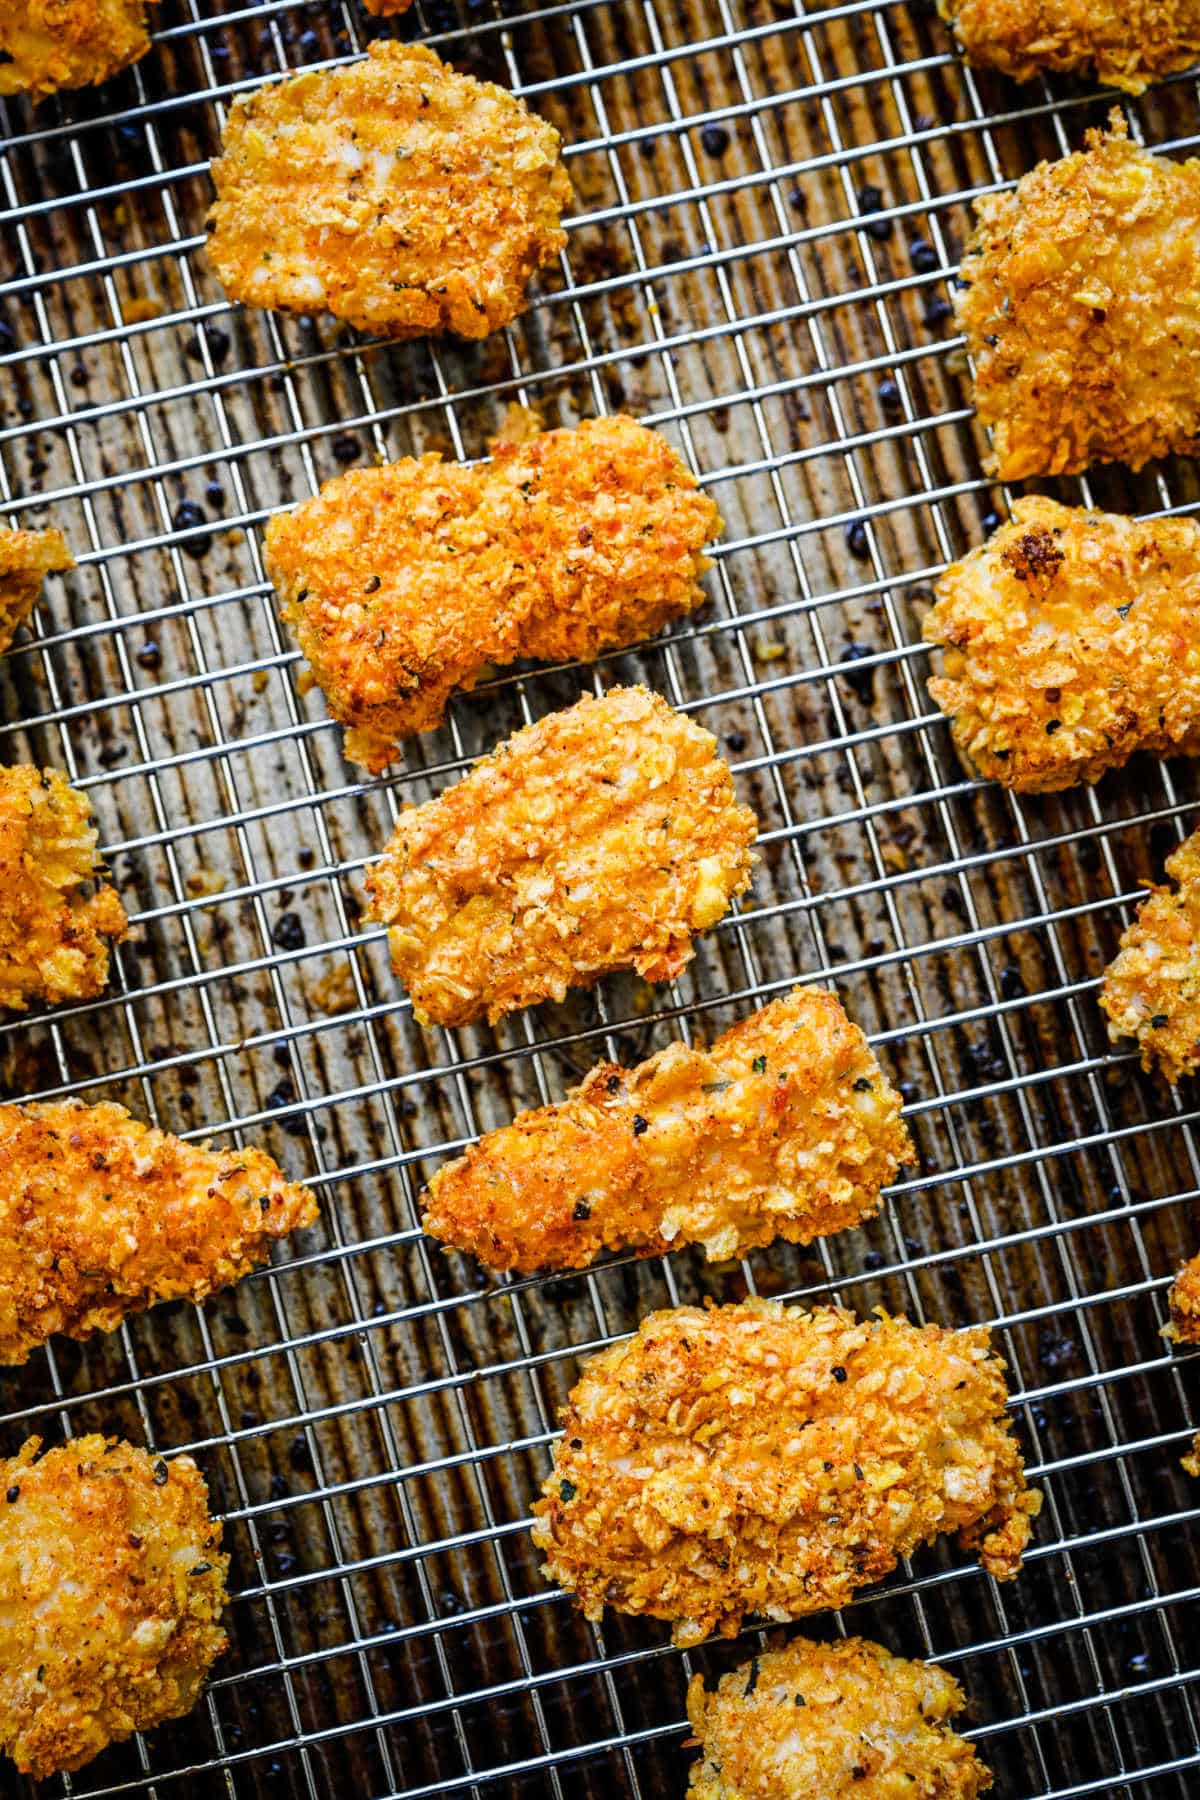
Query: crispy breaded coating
54	943
1151	989
1128	43
1072	639
394	193
387	9
817	1721
1082	311
112	1582
50	44
786	1128
26	558
602	837
101	1216
758	1459
402	583
1185	1304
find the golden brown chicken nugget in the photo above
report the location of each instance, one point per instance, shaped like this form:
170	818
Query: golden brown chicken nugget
1082	311
112	1583
1072	639
54	943
786	1128
759	1459
1128	43
393	192
1151	989
818	1721
401	583
50	44
1185	1304
101	1216
26	558
602	837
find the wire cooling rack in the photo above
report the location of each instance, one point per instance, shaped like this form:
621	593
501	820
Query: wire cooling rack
770	209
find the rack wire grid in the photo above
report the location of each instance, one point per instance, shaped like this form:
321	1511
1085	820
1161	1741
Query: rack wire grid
770	207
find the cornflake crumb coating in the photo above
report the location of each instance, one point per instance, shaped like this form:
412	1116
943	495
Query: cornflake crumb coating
818	1721
402	583
1151	989
26	558
785	1128
112	1583
101	1216
1185	1329
602	837
52	44
761	1460
54	945
1071	639
1127	43
1082	311
394	193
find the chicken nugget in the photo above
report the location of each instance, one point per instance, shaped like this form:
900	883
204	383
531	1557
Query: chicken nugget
602	837
402	583
1082	311
101	1216
1185	1305
1128	43
759	1459
54	943
26	558
1151	989
50	44
786	1128
816	1721
394	193
1072	639
112	1583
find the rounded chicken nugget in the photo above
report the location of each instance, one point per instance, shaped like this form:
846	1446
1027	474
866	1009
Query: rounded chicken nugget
112	1582
1081	307
1128	43
102	1216
786	1128
1151	989
1072	640
818	1721
50	44
403	582
26	558
54	944
759	1459
393	192
602	837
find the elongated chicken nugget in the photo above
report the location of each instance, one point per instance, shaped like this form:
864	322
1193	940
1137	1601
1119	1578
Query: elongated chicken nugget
1185	1329
50	44
402	583
53	943
1129	43
818	1721
1072	639
100	1216
758	1459
394	193
1082	311
1151	989
786	1128
112	1582
26	558
603	837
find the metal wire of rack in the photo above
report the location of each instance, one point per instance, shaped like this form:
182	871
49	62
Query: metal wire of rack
770	205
